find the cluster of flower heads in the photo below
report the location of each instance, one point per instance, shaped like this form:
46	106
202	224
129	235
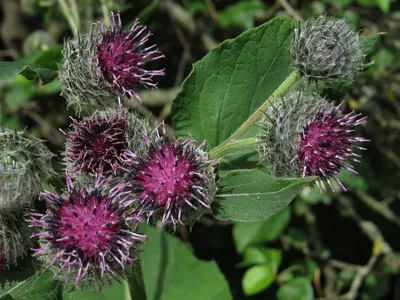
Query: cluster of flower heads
105	62
119	172
303	134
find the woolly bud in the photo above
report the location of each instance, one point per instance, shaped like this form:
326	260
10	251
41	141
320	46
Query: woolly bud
14	239
105	62
328	49
87	234
25	161
97	143
174	182
303	134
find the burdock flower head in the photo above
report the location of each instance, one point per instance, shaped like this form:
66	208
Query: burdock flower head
14	239
105	62
25	162
174	182
97	143
303	134
87	234
328	49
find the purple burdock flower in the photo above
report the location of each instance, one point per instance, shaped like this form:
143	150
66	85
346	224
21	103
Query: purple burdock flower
122	56
174	181
87	235
327	144
96	144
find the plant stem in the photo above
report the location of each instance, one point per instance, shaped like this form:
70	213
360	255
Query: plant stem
136	282
106	12
66	11
280	91
233	147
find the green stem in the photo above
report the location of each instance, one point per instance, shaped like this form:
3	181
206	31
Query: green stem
280	91
106	12
136	282
233	147
66	11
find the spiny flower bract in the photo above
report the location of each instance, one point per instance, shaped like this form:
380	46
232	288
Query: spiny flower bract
122	56
302	134
174	182
25	162
14	239
328	49
87	234
327	145
96	144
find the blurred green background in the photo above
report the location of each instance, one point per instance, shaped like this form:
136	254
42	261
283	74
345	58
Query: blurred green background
327	244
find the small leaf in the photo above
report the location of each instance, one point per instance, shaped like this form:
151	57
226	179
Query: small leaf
245	234
232	81
47	59
171	271
261	256
368	41
39	286
8	70
257	279
299	288
252	195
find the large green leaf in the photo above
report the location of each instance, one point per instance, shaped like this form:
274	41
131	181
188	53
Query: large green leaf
232	81
39	286
248	233
252	195
172	272
8	70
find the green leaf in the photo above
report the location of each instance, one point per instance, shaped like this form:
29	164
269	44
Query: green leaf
39	286
8	70
384	5
171	271
241	14
299	288
232	81
111	292
262	256
47	59
252	195
376	287
257	279
245	234
369	41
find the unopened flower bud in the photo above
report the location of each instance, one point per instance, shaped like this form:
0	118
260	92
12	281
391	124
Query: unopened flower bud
326	48
14	239
25	162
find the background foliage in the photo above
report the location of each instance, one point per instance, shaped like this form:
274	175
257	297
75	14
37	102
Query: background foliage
320	246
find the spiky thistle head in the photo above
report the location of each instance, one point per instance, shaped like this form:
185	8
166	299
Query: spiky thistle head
174	182
96	144
327	48
25	162
327	144
122	56
303	134
14	239
105	62
87	233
